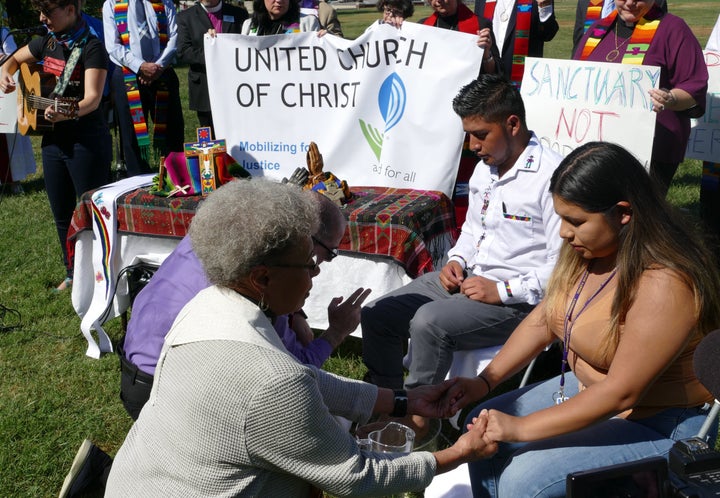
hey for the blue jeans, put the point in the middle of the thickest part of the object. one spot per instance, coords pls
(539, 468)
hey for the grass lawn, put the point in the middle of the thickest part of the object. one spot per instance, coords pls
(52, 396)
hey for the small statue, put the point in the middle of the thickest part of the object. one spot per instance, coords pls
(325, 182)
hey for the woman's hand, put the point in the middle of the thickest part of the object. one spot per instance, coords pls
(212, 33)
(471, 446)
(671, 100)
(53, 116)
(344, 317)
(476, 438)
(502, 427)
(7, 84)
(662, 99)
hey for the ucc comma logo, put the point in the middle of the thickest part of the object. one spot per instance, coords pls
(391, 100)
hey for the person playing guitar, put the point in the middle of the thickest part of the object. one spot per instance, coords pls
(76, 149)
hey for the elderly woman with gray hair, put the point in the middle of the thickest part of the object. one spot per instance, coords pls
(232, 413)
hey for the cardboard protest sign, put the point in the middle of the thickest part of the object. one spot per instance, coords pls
(378, 107)
(8, 112)
(704, 142)
(569, 103)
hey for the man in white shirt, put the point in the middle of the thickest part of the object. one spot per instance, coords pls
(502, 261)
(141, 39)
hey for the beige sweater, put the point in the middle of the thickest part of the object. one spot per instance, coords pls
(233, 414)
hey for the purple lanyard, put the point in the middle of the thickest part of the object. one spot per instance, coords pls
(559, 396)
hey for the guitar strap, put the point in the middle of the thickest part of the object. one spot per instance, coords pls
(76, 43)
(131, 84)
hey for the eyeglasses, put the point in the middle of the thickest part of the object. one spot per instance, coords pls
(49, 13)
(311, 267)
(393, 12)
(332, 253)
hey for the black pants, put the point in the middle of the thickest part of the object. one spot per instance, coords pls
(72, 165)
(175, 131)
(135, 386)
(662, 174)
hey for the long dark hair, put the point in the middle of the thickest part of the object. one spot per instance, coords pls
(595, 177)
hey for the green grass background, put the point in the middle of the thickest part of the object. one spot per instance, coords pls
(52, 396)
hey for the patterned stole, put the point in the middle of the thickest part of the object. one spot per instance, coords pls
(638, 45)
(131, 84)
(523, 20)
(594, 13)
(466, 19)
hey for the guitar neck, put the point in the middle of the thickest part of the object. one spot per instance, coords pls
(40, 103)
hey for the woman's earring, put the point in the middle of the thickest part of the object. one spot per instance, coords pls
(262, 304)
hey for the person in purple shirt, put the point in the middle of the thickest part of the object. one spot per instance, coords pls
(181, 277)
(640, 28)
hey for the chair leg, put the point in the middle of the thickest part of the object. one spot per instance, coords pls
(528, 371)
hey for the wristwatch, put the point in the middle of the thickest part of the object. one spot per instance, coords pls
(401, 403)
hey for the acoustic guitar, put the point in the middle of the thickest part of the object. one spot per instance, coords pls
(34, 83)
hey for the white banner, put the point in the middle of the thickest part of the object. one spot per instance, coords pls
(569, 103)
(378, 107)
(8, 111)
(704, 143)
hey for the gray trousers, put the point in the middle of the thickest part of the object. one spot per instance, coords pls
(438, 323)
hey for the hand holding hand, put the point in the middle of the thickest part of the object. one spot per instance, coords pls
(149, 72)
(344, 317)
(431, 400)
(502, 427)
(481, 289)
(475, 442)
(452, 276)
(464, 391)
